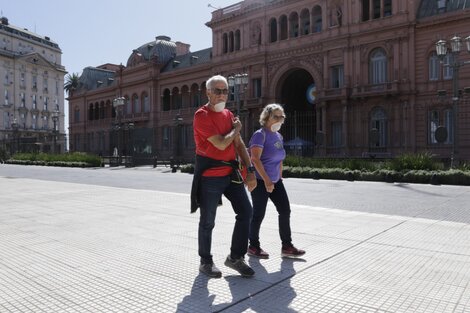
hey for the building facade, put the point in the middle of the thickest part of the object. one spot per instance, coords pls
(31, 91)
(357, 79)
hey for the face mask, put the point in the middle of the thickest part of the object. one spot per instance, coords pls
(219, 107)
(276, 126)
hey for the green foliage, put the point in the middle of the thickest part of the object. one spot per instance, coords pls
(75, 159)
(416, 161)
(347, 163)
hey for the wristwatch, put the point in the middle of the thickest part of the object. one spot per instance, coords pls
(251, 169)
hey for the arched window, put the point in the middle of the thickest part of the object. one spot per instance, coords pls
(379, 123)
(175, 99)
(378, 67)
(283, 27)
(166, 100)
(203, 93)
(225, 43)
(317, 19)
(135, 103)
(185, 97)
(102, 110)
(90, 112)
(195, 96)
(448, 71)
(273, 30)
(305, 22)
(294, 25)
(145, 102)
(433, 66)
(76, 115)
(97, 111)
(230, 41)
(237, 40)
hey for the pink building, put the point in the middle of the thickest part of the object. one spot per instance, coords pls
(356, 78)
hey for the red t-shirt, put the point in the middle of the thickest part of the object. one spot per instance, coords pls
(206, 124)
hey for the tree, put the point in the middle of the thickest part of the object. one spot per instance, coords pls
(71, 83)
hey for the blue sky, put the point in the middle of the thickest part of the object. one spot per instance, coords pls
(95, 32)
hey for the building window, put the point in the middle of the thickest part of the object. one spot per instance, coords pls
(336, 134)
(166, 137)
(283, 27)
(35, 82)
(22, 99)
(337, 76)
(146, 103)
(22, 80)
(376, 9)
(273, 30)
(128, 106)
(35, 105)
(34, 121)
(225, 43)
(231, 42)
(317, 19)
(237, 40)
(433, 124)
(447, 69)
(305, 22)
(135, 104)
(434, 67)
(6, 96)
(76, 116)
(379, 122)
(166, 100)
(378, 67)
(257, 88)
(294, 25)
(46, 100)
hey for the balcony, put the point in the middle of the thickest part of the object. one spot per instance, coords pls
(376, 90)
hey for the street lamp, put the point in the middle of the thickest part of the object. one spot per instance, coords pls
(55, 118)
(15, 127)
(454, 64)
(239, 82)
(118, 103)
(178, 121)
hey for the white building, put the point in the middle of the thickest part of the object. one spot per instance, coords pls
(31, 91)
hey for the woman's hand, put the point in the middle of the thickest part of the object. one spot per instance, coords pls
(269, 186)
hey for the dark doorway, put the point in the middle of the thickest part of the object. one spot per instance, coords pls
(299, 105)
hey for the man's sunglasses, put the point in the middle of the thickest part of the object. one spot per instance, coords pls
(219, 92)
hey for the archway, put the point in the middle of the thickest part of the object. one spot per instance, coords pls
(296, 90)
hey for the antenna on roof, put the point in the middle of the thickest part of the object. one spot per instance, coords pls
(211, 6)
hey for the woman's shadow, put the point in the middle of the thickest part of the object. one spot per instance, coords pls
(199, 300)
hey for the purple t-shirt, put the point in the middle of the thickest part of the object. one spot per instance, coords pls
(273, 152)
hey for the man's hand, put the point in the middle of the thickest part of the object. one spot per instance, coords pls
(251, 181)
(236, 124)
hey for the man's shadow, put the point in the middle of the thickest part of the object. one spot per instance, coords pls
(199, 300)
(279, 295)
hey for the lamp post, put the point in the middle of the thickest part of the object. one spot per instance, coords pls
(15, 127)
(178, 122)
(455, 64)
(239, 82)
(118, 103)
(55, 119)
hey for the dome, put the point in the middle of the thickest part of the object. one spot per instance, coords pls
(162, 49)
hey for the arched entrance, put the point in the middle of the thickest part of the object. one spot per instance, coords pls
(297, 92)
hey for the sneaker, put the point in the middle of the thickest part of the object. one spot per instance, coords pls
(257, 252)
(210, 270)
(291, 252)
(240, 266)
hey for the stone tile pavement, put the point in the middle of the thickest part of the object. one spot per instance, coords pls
(81, 248)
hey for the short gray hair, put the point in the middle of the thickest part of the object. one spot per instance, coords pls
(268, 111)
(216, 79)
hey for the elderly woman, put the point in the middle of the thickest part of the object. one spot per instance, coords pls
(267, 153)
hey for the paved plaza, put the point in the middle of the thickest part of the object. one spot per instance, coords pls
(68, 247)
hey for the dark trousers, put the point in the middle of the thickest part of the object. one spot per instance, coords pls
(211, 189)
(280, 199)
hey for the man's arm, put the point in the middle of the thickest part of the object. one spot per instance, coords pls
(243, 153)
(221, 142)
